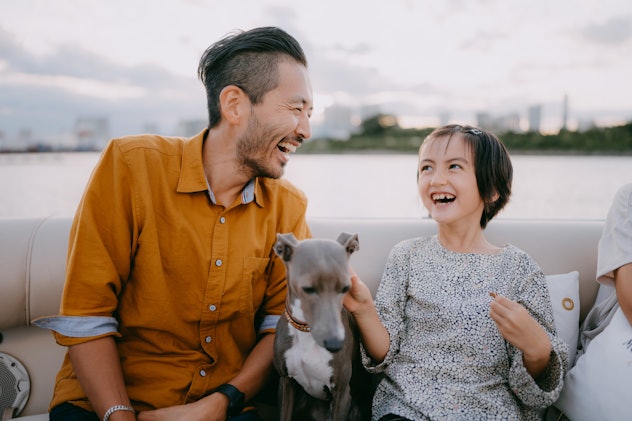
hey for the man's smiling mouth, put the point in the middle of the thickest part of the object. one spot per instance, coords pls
(286, 147)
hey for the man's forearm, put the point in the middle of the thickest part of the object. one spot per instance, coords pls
(257, 368)
(98, 369)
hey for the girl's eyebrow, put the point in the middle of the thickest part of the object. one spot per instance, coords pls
(458, 158)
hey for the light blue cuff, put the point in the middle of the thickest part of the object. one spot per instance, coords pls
(78, 326)
(269, 322)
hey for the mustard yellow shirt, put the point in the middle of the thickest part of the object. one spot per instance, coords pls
(187, 281)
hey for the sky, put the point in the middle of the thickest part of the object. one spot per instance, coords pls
(135, 61)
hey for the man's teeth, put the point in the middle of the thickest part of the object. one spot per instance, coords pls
(443, 198)
(287, 147)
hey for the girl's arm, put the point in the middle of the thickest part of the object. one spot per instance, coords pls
(359, 303)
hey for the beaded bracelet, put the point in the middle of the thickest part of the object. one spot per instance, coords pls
(115, 408)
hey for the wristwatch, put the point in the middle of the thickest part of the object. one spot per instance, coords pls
(235, 396)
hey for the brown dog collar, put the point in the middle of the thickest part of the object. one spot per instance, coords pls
(296, 324)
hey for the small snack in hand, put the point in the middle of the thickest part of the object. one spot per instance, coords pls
(493, 294)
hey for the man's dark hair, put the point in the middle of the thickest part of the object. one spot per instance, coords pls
(249, 60)
(492, 165)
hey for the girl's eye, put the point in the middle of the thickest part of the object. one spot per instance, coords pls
(425, 168)
(455, 166)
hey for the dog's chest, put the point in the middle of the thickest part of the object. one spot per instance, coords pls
(310, 365)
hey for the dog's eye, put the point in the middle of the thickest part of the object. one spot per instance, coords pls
(345, 289)
(309, 290)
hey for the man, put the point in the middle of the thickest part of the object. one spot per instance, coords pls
(172, 289)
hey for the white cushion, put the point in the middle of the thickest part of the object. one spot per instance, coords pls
(599, 386)
(564, 292)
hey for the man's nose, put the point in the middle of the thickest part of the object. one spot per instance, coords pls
(303, 128)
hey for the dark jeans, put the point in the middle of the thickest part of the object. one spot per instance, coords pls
(69, 412)
(391, 417)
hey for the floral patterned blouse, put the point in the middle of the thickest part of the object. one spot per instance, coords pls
(447, 360)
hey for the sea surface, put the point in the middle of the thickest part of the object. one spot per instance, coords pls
(366, 185)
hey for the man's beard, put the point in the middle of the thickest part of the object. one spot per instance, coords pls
(248, 148)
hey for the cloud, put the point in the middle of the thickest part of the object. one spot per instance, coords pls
(614, 31)
(48, 93)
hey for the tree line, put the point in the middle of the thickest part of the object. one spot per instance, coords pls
(381, 133)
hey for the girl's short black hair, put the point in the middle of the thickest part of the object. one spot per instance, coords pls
(492, 165)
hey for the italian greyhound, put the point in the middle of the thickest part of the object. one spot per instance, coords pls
(317, 346)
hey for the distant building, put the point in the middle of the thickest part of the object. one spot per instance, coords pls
(535, 118)
(586, 124)
(444, 118)
(189, 128)
(338, 123)
(368, 111)
(92, 133)
(506, 123)
(150, 127)
(484, 120)
(565, 113)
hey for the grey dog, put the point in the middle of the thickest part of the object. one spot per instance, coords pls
(316, 350)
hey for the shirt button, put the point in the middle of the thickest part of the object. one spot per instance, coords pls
(207, 339)
(218, 262)
(202, 373)
(222, 220)
(212, 307)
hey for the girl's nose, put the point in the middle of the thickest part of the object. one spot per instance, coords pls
(438, 178)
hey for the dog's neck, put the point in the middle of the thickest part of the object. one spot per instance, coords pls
(292, 320)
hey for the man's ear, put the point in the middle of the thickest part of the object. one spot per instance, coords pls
(231, 103)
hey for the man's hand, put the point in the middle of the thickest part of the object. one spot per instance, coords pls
(211, 408)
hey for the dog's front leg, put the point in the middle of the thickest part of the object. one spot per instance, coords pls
(286, 398)
(341, 404)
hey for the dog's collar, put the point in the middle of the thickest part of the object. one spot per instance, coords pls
(296, 324)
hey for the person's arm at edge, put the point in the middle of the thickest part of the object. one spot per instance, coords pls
(623, 285)
(98, 369)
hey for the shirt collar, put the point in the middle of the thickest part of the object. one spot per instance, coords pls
(193, 178)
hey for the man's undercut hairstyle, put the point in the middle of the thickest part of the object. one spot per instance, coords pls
(248, 60)
(492, 165)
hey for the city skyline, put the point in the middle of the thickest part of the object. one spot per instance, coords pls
(135, 62)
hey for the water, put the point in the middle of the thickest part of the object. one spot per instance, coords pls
(545, 187)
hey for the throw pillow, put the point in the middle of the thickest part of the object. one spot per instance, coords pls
(564, 292)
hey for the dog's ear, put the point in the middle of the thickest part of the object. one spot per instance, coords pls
(349, 241)
(284, 246)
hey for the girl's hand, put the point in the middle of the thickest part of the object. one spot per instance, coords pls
(358, 299)
(522, 331)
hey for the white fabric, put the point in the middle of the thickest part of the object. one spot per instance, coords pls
(564, 292)
(615, 245)
(599, 386)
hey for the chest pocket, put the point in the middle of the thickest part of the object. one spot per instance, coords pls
(253, 283)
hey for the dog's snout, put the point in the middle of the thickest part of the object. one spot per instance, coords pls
(333, 344)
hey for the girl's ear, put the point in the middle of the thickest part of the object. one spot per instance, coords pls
(495, 197)
(231, 102)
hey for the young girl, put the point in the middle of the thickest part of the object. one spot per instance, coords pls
(460, 328)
